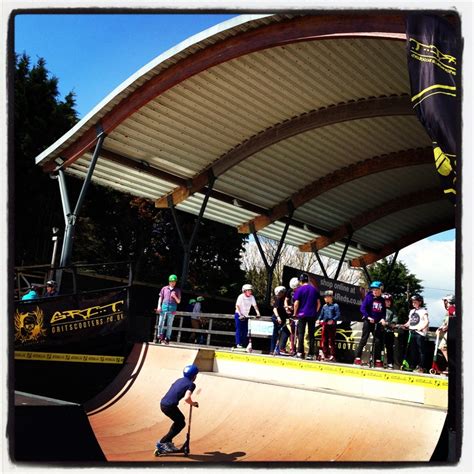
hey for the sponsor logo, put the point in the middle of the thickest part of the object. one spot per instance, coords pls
(29, 326)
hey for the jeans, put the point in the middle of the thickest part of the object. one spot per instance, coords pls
(241, 330)
(179, 423)
(166, 315)
(280, 335)
(328, 339)
(302, 322)
(418, 350)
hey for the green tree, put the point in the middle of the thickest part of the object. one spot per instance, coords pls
(40, 118)
(400, 282)
(111, 226)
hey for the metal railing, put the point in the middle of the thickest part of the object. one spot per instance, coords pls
(209, 331)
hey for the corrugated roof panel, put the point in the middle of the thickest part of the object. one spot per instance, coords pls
(339, 205)
(290, 165)
(405, 222)
(119, 176)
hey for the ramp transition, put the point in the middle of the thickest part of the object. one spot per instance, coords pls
(244, 419)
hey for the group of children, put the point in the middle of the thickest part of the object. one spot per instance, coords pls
(300, 306)
(293, 310)
(298, 310)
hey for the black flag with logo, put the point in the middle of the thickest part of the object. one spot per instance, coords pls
(433, 59)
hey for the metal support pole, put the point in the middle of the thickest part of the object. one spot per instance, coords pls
(187, 246)
(390, 269)
(271, 268)
(71, 218)
(318, 257)
(343, 256)
(367, 275)
(55, 251)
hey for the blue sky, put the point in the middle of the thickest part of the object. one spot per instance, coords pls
(92, 54)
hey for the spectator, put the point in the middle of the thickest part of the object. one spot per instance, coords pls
(196, 321)
(181, 388)
(373, 312)
(442, 331)
(243, 305)
(391, 323)
(305, 309)
(330, 313)
(170, 297)
(280, 330)
(289, 302)
(51, 289)
(418, 323)
(31, 294)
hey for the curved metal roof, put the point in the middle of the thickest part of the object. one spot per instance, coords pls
(310, 112)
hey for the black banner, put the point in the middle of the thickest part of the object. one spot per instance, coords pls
(348, 297)
(69, 318)
(433, 58)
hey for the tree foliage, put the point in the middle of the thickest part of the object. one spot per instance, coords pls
(40, 118)
(111, 226)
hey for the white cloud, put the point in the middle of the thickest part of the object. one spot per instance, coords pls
(433, 262)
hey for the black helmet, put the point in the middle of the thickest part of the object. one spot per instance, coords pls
(417, 297)
(304, 278)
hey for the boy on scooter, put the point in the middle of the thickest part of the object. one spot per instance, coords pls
(181, 388)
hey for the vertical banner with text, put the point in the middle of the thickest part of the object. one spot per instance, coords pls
(433, 49)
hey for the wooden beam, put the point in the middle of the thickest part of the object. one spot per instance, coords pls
(342, 176)
(354, 110)
(401, 243)
(298, 29)
(399, 203)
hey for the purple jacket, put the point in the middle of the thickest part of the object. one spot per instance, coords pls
(373, 307)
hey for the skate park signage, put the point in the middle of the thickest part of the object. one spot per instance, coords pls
(348, 296)
(69, 318)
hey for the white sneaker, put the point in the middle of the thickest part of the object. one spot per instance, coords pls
(239, 346)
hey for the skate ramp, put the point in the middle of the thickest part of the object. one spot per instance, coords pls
(248, 420)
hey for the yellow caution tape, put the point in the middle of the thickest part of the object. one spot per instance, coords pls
(61, 357)
(348, 371)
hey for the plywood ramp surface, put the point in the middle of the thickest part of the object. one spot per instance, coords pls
(241, 420)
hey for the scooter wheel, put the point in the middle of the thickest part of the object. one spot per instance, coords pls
(433, 372)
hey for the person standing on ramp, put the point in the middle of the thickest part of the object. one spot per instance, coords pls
(181, 388)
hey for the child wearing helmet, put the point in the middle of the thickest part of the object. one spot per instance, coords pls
(330, 313)
(280, 330)
(391, 323)
(243, 305)
(181, 388)
(373, 311)
(170, 297)
(442, 331)
(289, 302)
(306, 308)
(418, 324)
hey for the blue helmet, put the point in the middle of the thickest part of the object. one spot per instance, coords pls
(376, 284)
(190, 371)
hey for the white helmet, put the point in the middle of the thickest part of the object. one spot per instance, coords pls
(294, 283)
(279, 289)
(247, 287)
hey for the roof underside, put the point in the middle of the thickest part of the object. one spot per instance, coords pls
(310, 112)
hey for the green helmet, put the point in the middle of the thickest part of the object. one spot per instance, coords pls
(200, 298)
(172, 278)
(192, 301)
